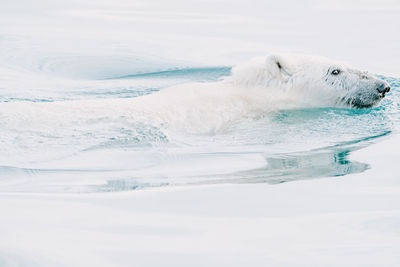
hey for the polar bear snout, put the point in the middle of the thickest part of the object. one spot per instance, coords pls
(382, 88)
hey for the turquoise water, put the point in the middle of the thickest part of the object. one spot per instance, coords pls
(113, 153)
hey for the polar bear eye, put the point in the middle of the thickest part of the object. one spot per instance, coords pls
(335, 72)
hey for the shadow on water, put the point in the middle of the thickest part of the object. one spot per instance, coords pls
(324, 162)
(330, 161)
(301, 166)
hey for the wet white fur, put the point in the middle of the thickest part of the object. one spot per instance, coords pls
(262, 85)
(254, 89)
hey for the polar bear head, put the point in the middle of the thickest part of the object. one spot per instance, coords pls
(312, 80)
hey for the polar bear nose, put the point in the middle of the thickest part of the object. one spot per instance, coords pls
(383, 89)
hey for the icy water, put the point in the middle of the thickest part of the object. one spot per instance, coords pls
(114, 152)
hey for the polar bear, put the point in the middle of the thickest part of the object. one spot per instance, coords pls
(264, 84)
(256, 88)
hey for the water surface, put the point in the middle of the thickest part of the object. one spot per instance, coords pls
(113, 153)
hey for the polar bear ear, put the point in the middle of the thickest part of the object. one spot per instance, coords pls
(278, 66)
